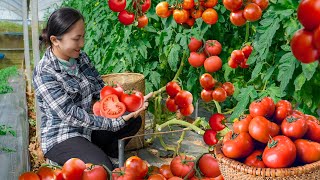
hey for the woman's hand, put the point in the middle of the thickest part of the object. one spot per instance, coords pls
(142, 108)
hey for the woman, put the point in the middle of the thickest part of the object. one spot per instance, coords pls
(66, 84)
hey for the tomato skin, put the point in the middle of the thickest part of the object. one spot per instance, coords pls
(142, 21)
(313, 132)
(242, 124)
(175, 178)
(162, 9)
(216, 122)
(132, 101)
(307, 151)
(137, 165)
(157, 177)
(302, 46)
(279, 153)
(95, 172)
(172, 88)
(180, 16)
(237, 56)
(210, 16)
(196, 12)
(210, 137)
(258, 108)
(117, 5)
(238, 146)
(166, 171)
(247, 50)
(232, 5)
(123, 174)
(187, 4)
(207, 81)
(283, 109)
(183, 99)
(187, 111)
(96, 108)
(73, 168)
(209, 166)
(113, 89)
(196, 59)
(206, 95)
(294, 127)
(237, 18)
(125, 17)
(269, 104)
(181, 166)
(212, 64)
(212, 48)
(309, 13)
(110, 107)
(261, 129)
(46, 173)
(252, 12)
(29, 176)
(263, 4)
(171, 105)
(219, 94)
(255, 159)
(229, 88)
(194, 44)
(316, 38)
(232, 63)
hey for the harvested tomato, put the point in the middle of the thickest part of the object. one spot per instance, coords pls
(217, 121)
(232, 5)
(172, 89)
(207, 81)
(307, 151)
(46, 173)
(157, 177)
(206, 95)
(238, 145)
(313, 132)
(123, 174)
(210, 16)
(95, 172)
(111, 107)
(133, 101)
(209, 166)
(183, 99)
(171, 105)
(162, 9)
(29, 176)
(126, 17)
(73, 168)
(269, 103)
(255, 159)
(196, 59)
(210, 137)
(294, 127)
(137, 165)
(111, 89)
(212, 48)
(187, 111)
(58, 173)
(117, 5)
(252, 12)
(283, 109)
(237, 18)
(219, 94)
(153, 170)
(194, 44)
(212, 64)
(142, 21)
(182, 166)
(210, 3)
(242, 124)
(258, 108)
(96, 108)
(279, 153)
(261, 129)
(175, 178)
(229, 88)
(166, 171)
(180, 16)
(309, 14)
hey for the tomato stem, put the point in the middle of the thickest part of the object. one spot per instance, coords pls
(247, 32)
(182, 123)
(108, 170)
(217, 106)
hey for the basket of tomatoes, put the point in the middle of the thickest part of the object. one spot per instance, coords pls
(274, 141)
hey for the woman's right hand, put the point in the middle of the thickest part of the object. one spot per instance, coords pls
(142, 108)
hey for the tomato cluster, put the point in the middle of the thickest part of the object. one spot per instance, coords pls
(179, 99)
(243, 10)
(72, 169)
(274, 136)
(187, 11)
(127, 17)
(240, 57)
(205, 54)
(114, 101)
(305, 43)
(217, 123)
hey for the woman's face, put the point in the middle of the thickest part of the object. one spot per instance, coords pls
(71, 42)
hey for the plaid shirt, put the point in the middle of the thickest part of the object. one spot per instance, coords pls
(65, 100)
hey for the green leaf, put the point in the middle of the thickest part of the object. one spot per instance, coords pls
(309, 69)
(149, 87)
(275, 92)
(286, 69)
(173, 57)
(299, 82)
(257, 69)
(155, 78)
(268, 74)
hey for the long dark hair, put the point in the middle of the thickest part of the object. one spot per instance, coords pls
(59, 23)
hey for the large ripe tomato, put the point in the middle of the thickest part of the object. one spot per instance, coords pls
(172, 89)
(187, 111)
(126, 17)
(175, 178)
(183, 99)
(283, 109)
(263, 4)
(212, 64)
(196, 59)
(237, 56)
(187, 4)
(212, 48)
(313, 132)
(180, 16)
(117, 5)
(46, 173)
(255, 159)
(269, 103)
(145, 5)
(302, 46)
(258, 108)
(309, 13)
(232, 5)
(133, 101)
(207, 81)
(242, 123)
(194, 44)
(137, 165)
(58, 173)
(123, 174)
(162, 9)
(219, 94)
(232, 63)
(307, 151)
(294, 127)
(157, 177)
(279, 153)
(261, 129)
(247, 50)
(182, 166)
(95, 172)
(206, 95)
(166, 171)
(316, 38)
(190, 22)
(210, 16)
(29, 176)
(244, 64)
(73, 168)
(210, 137)
(111, 89)
(252, 12)
(171, 105)
(238, 145)
(196, 12)
(237, 18)
(216, 122)
(96, 108)
(209, 166)
(229, 88)
(142, 21)
(111, 107)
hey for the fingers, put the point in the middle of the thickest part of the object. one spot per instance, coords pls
(144, 107)
(146, 97)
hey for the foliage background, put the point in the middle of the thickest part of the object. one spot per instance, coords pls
(156, 51)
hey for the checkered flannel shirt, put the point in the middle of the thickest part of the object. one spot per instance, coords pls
(65, 100)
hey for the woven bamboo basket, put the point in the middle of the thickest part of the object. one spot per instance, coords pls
(235, 170)
(129, 81)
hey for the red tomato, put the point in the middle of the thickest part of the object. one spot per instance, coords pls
(172, 89)
(117, 5)
(313, 132)
(190, 22)
(181, 166)
(210, 3)
(237, 18)
(180, 16)
(96, 108)
(126, 17)
(157, 177)
(247, 50)
(209, 166)
(217, 121)
(145, 5)
(279, 153)
(171, 105)
(283, 109)
(212, 48)
(112, 89)
(232, 5)
(302, 47)
(212, 64)
(316, 38)
(255, 159)
(123, 174)
(261, 129)
(294, 127)
(29, 176)
(309, 13)
(137, 165)
(244, 64)
(95, 172)
(73, 168)
(206, 95)
(210, 137)
(58, 173)
(219, 94)
(132, 101)
(229, 88)
(187, 111)
(263, 4)
(187, 4)
(269, 103)
(196, 12)
(166, 171)
(210, 16)
(258, 108)
(237, 56)
(183, 99)
(110, 107)
(242, 124)
(162, 9)
(307, 151)
(142, 21)
(252, 12)
(232, 63)
(196, 59)
(175, 178)
(153, 170)
(207, 81)
(194, 44)
(238, 146)
(46, 173)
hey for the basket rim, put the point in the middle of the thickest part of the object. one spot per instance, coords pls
(128, 73)
(271, 172)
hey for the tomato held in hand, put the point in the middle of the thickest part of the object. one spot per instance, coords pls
(212, 48)
(238, 146)
(217, 121)
(182, 166)
(255, 159)
(210, 137)
(96, 108)
(126, 17)
(95, 172)
(110, 107)
(171, 105)
(209, 166)
(294, 127)
(172, 89)
(261, 129)
(307, 151)
(309, 14)
(183, 99)
(166, 171)
(73, 168)
(279, 153)
(133, 101)
(242, 124)
(137, 165)
(117, 5)
(194, 44)
(112, 89)
(207, 81)
(196, 59)
(219, 94)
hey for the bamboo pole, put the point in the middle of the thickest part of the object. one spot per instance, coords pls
(26, 44)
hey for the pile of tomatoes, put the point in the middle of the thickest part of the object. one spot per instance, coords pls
(187, 11)
(305, 43)
(127, 17)
(219, 93)
(274, 136)
(240, 57)
(205, 55)
(114, 101)
(243, 11)
(217, 123)
(179, 99)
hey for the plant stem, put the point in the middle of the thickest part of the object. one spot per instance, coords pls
(166, 147)
(247, 32)
(182, 123)
(217, 106)
(180, 141)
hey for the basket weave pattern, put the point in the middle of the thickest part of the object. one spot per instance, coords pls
(235, 170)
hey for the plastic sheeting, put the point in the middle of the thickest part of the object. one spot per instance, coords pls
(13, 112)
